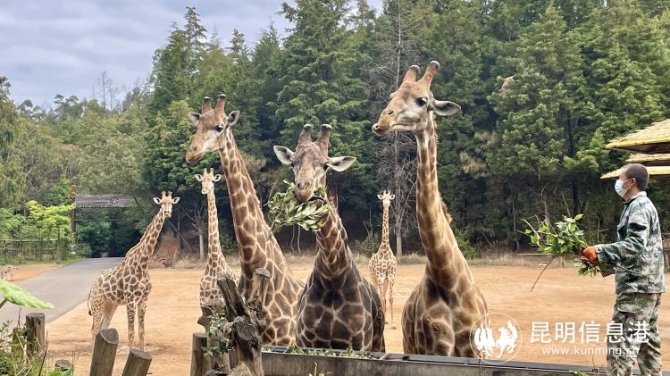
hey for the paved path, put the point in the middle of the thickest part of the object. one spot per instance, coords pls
(65, 287)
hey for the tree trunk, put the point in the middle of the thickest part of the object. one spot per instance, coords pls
(203, 249)
(246, 321)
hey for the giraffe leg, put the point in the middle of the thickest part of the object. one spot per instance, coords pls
(391, 282)
(141, 311)
(97, 313)
(385, 286)
(107, 313)
(380, 290)
(130, 311)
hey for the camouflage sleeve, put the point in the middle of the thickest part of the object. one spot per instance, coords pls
(634, 242)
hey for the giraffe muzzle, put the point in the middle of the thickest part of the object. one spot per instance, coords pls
(192, 156)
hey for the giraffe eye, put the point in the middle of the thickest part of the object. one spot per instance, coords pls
(218, 128)
(421, 101)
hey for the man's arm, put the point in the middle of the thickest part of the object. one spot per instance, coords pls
(637, 237)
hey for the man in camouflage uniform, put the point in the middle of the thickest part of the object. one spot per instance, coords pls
(637, 260)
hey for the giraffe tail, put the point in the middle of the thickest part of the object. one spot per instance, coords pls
(88, 303)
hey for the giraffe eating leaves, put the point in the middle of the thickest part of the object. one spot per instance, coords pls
(339, 308)
(441, 312)
(128, 283)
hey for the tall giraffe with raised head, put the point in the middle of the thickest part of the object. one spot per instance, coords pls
(338, 308)
(129, 283)
(216, 262)
(442, 310)
(256, 243)
(383, 264)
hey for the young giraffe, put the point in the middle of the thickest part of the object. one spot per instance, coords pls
(216, 263)
(383, 264)
(339, 308)
(256, 243)
(128, 283)
(441, 311)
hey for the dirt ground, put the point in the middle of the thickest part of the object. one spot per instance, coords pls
(29, 271)
(561, 299)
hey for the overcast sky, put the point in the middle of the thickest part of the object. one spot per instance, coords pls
(50, 47)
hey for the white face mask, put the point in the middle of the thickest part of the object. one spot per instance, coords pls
(618, 187)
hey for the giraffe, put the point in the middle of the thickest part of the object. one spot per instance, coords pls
(443, 309)
(383, 264)
(216, 263)
(129, 283)
(338, 308)
(256, 243)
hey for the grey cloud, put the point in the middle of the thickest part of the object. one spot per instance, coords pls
(62, 46)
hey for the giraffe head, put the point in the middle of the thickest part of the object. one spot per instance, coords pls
(166, 201)
(208, 179)
(210, 125)
(311, 162)
(386, 198)
(410, 107)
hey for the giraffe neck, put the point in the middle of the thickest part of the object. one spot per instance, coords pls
(214, 245)
(251, 230)
(142, 252)
(385, 245)
(334, 255)
(436, 235)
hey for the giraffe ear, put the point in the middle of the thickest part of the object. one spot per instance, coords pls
(392, 197)
(198, 177)
(379, 197)
(195, 117)
(284, 154)
(233, 117)
(157, 200)
(175, 200)
(217, 177)
(443, 108)
(340, 164)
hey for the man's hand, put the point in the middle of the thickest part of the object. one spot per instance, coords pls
(589, 254)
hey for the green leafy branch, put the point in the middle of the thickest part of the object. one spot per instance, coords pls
(285, 210)
(219, 344)
(562, 239)
(20, 297)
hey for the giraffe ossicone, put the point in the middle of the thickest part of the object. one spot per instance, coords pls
(128, 283)
(441, 311)
(338, 308)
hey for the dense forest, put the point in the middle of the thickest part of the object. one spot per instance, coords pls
(584, 72)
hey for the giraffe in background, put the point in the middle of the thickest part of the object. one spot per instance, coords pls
(383, 264)
(129, 283)
(216, 262)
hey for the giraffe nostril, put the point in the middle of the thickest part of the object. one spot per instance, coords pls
(389, 112)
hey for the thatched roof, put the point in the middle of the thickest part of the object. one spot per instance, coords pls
(650, 159)
(658, 172)
(653, 139)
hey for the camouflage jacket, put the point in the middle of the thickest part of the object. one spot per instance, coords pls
(637, 256)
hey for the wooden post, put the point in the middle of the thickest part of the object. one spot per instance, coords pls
(137, 364)
(199, 362)
(36, 333)
(104, 352)
(246, 322)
